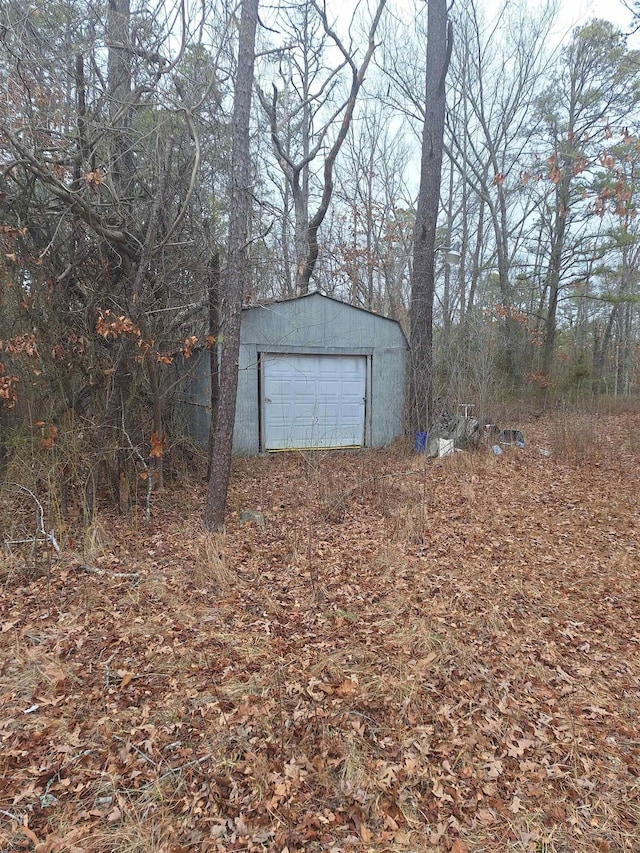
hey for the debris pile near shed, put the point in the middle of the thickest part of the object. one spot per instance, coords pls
(463, 432)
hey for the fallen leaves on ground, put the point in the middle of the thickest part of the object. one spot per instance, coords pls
(407, 655)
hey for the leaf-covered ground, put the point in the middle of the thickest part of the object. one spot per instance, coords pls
(407, 655)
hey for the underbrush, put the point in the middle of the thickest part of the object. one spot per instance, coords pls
(591, 436)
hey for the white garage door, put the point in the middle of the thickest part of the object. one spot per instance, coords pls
(313, 401)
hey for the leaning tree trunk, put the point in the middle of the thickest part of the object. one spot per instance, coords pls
(237, 271)
(439, 44)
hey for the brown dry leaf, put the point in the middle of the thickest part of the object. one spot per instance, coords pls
(158, 444)
(556, 814)
(94, 179)
(50, 437)
(495, 769)
(425, 663)
(516, 805)
(346, 688)
(437, 833)
(29, 833)
(486, 817)
(518, 748)
(365, 833)
(262, 699)
(189, 344)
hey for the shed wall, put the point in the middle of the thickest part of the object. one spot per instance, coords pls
(313, 324)
(387, 395)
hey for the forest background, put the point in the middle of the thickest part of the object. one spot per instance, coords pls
(116, 147)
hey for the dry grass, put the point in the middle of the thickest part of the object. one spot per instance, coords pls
(97, 540)
(16, 566)
(210, 569)
(137, 821)
(580, 437)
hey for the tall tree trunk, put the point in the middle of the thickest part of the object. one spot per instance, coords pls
(157, 463)
(600, 351)
(213, 292)
(122, 171)
(448, 300)
(439, 43)
(555, 269)
(287, 289)
(475, 259)
(119, 82)
(301, 178)
(237, 270)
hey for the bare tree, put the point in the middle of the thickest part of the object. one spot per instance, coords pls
(237, 270)
(496, 84)
(367, 259)
(598, 91)
(296, 167)
(439, 45)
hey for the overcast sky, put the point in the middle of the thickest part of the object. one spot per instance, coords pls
(572, 12)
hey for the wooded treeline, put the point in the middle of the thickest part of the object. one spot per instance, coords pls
(116, 186)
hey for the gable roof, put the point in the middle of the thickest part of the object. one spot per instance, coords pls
(265, 303)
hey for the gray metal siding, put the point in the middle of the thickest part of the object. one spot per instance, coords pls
(318, 322)
(316, 325)
(193, 397)
(246, 433)
(388, 395)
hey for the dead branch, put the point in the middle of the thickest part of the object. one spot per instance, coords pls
(46, 537)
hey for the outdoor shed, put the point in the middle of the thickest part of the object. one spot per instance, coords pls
(314, 373)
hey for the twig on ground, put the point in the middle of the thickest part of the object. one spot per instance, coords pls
(142, 754)
(94, 570)
(9, 815)
(46, 537)
(173, 770)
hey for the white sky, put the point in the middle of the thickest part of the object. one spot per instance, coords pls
(612, 10)
(573, 12)
(570, 12)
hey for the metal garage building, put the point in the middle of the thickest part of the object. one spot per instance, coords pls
(315, 373)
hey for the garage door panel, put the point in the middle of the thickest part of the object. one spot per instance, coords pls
(280, 389)
(301, 391)
(326, 388)
(350, 413)
(313, 401)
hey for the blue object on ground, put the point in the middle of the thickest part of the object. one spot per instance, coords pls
(420, 443)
